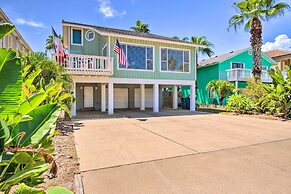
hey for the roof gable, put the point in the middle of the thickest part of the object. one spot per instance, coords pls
(131, 34)
(227, 56)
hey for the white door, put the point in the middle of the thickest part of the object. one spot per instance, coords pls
(120, 99)
(88, 97)
(148, 97)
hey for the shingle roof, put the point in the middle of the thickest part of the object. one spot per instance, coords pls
(220, 58)
(131, 33)
(277, 53)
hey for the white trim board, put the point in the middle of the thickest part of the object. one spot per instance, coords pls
(97, 79)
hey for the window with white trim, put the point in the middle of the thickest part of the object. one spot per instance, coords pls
(77, 36)
(90, 35)
(138, 57)
(264, 68)
(175, 60)
(211, 94)
(237, 65)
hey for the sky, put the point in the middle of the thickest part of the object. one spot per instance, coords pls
(182, 18)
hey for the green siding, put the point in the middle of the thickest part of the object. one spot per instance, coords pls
(204, 75)
(95, 48)
(243, 57)
(156, 74)
(217, 71)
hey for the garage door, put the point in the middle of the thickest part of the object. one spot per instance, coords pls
(120, 99)
(148, 97)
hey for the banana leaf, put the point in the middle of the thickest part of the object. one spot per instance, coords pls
(29, 172)
(44, 118)
(10, 82)
(6, 29)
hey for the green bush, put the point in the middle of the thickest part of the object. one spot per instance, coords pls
(240, 104)
(254, 90)
(277, 99)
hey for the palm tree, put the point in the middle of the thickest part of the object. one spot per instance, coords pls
(177, 38)
(140, 27)
(250, 14)
(221, 87)
(207, 50)
(50, 42)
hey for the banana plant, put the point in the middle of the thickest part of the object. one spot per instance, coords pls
(277, 100)
(27, 123)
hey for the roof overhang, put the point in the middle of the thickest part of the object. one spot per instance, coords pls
(133, 37)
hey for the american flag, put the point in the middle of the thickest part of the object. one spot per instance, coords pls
(58, 46)
(121, 56)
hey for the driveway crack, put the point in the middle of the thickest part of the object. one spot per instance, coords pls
(166, 138)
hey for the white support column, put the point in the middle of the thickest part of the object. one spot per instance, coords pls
(73, 106)
(142, 96)
(175, 97)
(110, 98)
(192, 97)
(236, 86)
(156, 98)
(103, 97)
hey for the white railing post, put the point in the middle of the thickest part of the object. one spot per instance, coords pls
(87, 64)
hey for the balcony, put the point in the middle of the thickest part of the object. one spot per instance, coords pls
(86, 64)
(243, 75)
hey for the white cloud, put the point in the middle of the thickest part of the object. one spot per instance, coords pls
(22, 21)
(282, 42)
(107, 10)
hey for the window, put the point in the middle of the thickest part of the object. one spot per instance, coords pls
(211, 94)
(237, 65)
(77, 37)
(175, 60)
(264, 68)
(138, 57)
(90, 35)
(9, 41)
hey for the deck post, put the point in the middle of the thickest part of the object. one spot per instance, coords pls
(142, 96)
(192, 97)
(103, 98)
(156, 97)
(175, 97)
(73, 106)
(110, 98)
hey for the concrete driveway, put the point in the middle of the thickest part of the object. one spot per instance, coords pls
(181, 152)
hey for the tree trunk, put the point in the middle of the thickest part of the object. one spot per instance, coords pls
(221, 100)
(256, 42)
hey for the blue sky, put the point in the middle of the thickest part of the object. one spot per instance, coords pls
(33, 19)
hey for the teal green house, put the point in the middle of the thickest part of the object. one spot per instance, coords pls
(102, 83)
(235, 66)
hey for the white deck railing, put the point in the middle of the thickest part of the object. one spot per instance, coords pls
(86, 64)
(242, 75)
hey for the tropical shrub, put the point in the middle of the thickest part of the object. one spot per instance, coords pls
(222, 88)
(40, 74)
(240, 104)
(27, 125)
(254, 90)
(277, 99)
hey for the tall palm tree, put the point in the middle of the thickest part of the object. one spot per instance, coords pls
(204, 51)
(250, 14)
(50, 42)
(140, 27)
